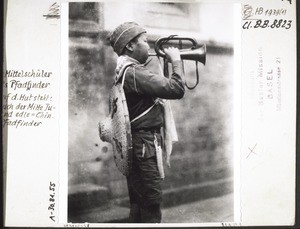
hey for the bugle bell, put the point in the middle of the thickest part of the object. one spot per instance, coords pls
(194, 53)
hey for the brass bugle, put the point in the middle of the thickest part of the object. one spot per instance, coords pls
(194, 53)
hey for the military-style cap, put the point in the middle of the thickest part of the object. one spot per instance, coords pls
(123, 34)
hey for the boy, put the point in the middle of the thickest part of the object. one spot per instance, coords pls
(142, 88)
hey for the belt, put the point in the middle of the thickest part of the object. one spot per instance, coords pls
(152, 130)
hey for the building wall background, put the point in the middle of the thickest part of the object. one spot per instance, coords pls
(203, 117)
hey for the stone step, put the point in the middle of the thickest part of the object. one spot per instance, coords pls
(117, 210)
(86, 196)
(189, 193)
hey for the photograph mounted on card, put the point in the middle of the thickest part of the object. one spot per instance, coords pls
(179, 113)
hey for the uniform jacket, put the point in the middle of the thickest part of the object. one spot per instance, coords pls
(142, 87)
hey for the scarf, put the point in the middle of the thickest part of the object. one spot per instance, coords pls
(122, 63)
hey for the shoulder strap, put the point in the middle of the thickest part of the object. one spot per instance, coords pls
(145, 112)
(124, 75)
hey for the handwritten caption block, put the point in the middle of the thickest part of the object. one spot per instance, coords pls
(27, 98)
(265, 18)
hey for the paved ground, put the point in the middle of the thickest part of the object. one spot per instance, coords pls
(217, 209)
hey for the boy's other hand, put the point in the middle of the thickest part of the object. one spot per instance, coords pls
(172, 54)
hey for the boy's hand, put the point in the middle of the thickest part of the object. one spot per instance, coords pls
(172, 54)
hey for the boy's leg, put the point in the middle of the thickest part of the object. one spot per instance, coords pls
(145, 182)
(134, 214)
(148, 191)
(151, 213)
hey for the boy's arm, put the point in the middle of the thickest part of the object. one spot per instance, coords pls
(146, 82)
